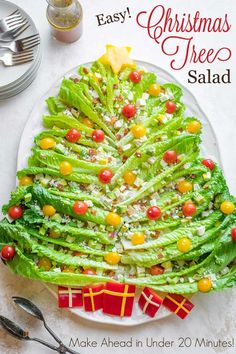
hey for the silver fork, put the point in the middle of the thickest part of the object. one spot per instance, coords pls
(11, 22)
(12, 34)
(22, 44)
(11, 59)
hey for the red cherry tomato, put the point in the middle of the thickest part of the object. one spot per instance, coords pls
(153, 213)
(208, 163)
(89, 272)
(8, 253)
(105, 176)
(233, 234)
(73, 135)
(135, 77)
(129, 111)
(170, 156)
(170, 107)
(15, 212)
(98, 136)
(80, 208)
(189, 209)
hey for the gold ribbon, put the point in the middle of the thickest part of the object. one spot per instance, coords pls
(125, 295)
(148, 301)
(91, 295)
(70, 292)
(179, 305)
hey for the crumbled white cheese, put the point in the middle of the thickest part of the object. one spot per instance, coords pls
(187, 165)
(191, 280)
(163, 97)
(152, 160)
(211, 276)
(140, 270)
(122, 188)
(94, 94)
(163, 163)
(210, 206)
(196, 187)
(117, 92)
(99, 76)
(126, 147)
(168, 116)
(107, 119)
(118, 124)
(89, 202)
(206, 176)
(141, 102)
(138, 182)
(57, 270)
(145, 96)
(201, 230)
(131, 96)
(170, 94)
(225, 270)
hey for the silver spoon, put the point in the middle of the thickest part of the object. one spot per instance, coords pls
(16, 331)
(34, 311)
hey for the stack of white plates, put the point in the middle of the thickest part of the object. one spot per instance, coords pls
(15, 79)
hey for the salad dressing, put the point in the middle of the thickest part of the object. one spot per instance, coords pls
(65, 19)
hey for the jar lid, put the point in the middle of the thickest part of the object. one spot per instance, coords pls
(60, 3)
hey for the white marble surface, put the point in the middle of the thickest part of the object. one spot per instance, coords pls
(214, 315)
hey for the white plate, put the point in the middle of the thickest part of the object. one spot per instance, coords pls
(9, 76)
(34, 126)
(33, 70)
(21, 85)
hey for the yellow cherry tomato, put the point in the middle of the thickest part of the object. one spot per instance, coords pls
(162, 119)
(112, 258)
(45, 264)
(184, 244)
(54, 234)
(25, 181)
(194, 127)
(204, 285)
(154, 90)
(47, 143)
(129, 178)
(184, 186)
(113, 219)
(88, 122)
(138, 131)
(49, 210)
(227, 207)
(65, 168)
(68, 270)
(138, 238)
(103, 161)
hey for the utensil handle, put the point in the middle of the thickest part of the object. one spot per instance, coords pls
(52, 333)
(6, 39)
(3, 44)
(67, 349)
(46, 344)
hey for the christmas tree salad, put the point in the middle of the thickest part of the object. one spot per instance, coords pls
(116, 189)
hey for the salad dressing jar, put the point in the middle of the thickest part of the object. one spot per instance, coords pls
(65, 19)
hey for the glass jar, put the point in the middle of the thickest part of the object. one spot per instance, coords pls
(65, 18)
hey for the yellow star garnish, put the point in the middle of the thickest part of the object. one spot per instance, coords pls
(117, 58)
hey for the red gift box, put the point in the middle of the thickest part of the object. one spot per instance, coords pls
(178, 304)
(69, 297)
(149, 302)
(93, 297)
(118, 299)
